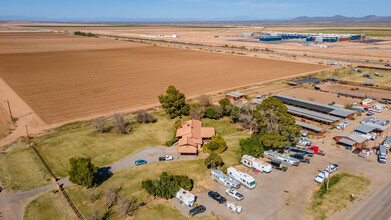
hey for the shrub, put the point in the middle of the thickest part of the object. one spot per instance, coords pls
(216, 144)
(213, 161)
(211, 113)
(167, 185)
(251, 146)
(172, 141)
(143, 116)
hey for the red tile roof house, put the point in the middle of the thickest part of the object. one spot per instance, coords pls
(192, 135)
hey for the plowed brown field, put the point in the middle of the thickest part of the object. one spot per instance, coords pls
(71, 84)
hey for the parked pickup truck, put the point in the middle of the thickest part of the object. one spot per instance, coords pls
(317, 150)
(278, 165)
(166, 158)
(301, 157)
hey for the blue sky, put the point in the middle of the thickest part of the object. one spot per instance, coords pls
(201, 9)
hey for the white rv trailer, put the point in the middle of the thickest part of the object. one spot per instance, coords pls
(245, 179)
(227, 181)
(252, 162)
(186, 197)
(282, 158)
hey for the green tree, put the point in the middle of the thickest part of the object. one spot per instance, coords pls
(167, 185)
(217, 144)
(82, 171)
(226, 106)
(211, 113)
(277, 128)
(213, 161)
(251, 146)
(174, 102)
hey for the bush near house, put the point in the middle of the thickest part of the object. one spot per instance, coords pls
(217, 144)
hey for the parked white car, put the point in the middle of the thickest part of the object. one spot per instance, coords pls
(321, 176)
(235, 194)
(304, 142)
(332, 168)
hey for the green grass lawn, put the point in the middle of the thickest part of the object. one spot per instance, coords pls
(349, 75)
(48, 206)
(341, 186)
(104, 149)
(84, 141)
(130, 182)
(22, 170)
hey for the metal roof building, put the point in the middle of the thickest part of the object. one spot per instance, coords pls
(350, 139)
(365, 129)
(317, 116)
(315, 106)
(369, 127)
(309, 127)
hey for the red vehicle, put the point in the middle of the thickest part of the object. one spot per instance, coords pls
(317, 150)
(387, 65)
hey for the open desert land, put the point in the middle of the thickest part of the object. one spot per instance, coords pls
(65, 83)
(220, 35)
(5, 122)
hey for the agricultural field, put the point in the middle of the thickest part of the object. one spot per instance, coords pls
(80, 83)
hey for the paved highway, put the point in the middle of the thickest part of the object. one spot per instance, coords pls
(377, 207)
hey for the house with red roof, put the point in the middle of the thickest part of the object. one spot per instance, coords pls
(192, 135)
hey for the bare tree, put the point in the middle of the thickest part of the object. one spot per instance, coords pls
(95, 214)
(143, 116)
(120, 123)
(247, 121)
(197, 113)
(92, 196)
(128, 207)
(205, 100)
(99, 124)
(110, 197)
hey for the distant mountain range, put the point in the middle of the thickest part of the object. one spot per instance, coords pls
(334, 19)
(340, 19)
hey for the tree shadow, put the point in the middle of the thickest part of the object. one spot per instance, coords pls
(102, 175)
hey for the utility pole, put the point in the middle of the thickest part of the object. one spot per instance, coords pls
(28, 137)
(327, 186)
(9, 109)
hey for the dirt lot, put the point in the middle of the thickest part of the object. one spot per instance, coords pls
(68, 85)
(376, 52)
(318, 96)
(368, 91)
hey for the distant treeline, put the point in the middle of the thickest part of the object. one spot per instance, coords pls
(89, 34)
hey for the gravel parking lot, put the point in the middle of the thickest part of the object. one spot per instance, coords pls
(284, 195)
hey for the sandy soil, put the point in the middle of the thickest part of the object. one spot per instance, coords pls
(67, 85)
(335, 88)
(231, 36)
(5, 121)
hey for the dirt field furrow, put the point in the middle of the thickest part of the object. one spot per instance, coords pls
(68, 84)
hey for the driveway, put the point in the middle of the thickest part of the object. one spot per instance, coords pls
(12, 204)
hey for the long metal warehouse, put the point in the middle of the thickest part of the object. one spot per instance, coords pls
(309, 127)
(316, 116)
(339, 112)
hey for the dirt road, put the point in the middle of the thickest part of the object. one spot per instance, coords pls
(377, 207)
